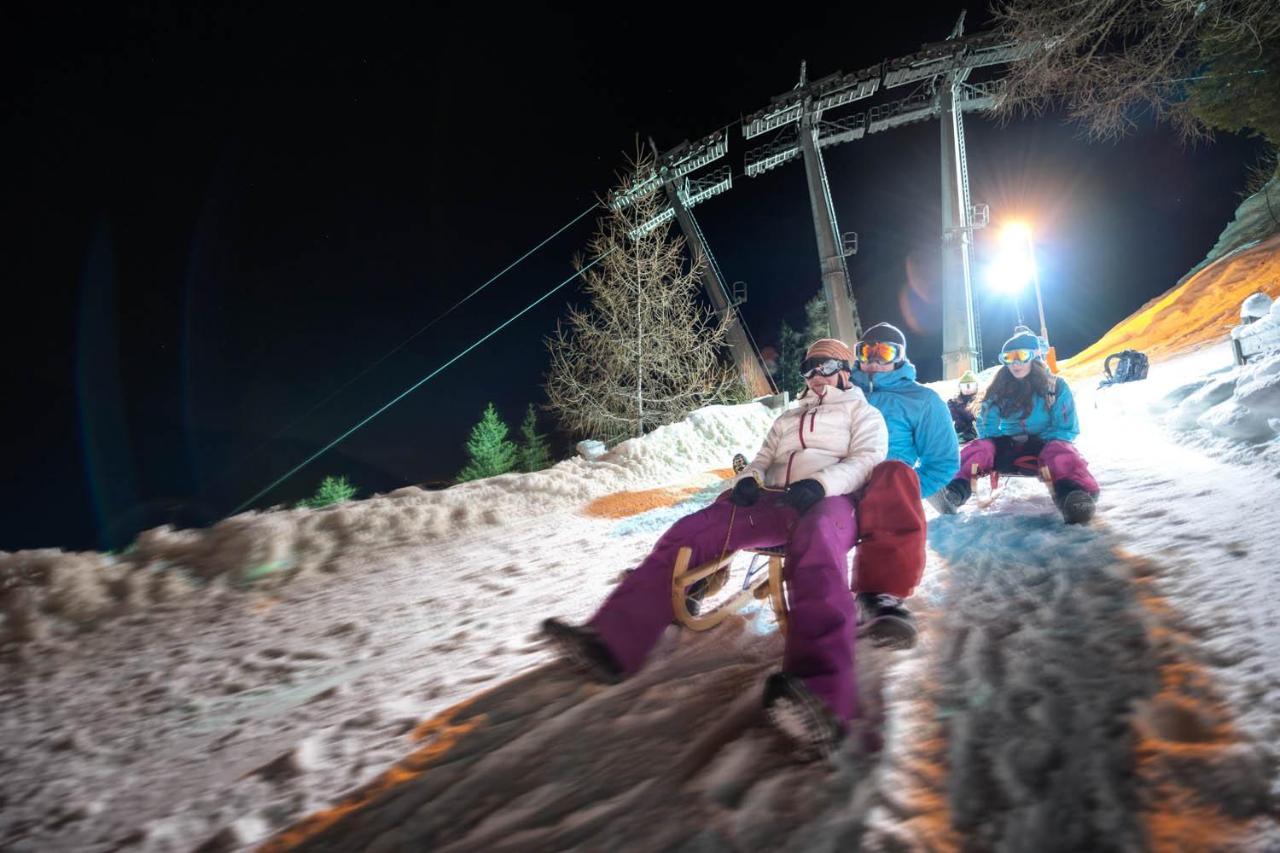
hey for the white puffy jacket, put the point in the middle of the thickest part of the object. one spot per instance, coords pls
(835, 438)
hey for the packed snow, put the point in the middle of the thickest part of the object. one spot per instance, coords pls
(375, 665)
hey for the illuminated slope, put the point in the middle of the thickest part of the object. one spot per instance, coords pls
(1198, 311)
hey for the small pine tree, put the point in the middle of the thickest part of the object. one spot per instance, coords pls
(791, 346)
(333, 490)
(490, 452)
(534, 452)
(816, 322)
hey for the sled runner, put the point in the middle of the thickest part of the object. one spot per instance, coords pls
(1024, 466)
(757, 584)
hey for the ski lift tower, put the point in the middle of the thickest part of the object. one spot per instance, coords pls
(803, 107)
(944, 67)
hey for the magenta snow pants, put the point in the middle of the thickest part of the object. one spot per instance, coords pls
(1060, 457)
(821, 624)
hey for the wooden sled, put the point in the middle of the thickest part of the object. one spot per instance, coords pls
(763, 584)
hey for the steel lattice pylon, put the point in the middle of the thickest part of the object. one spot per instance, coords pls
(798, 119)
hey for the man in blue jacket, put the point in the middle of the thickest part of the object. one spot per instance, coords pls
(923, 457)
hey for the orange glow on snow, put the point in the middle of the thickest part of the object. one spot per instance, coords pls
(626, 504)
(441, 734)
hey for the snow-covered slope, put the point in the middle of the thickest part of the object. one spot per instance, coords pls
(1133, 662)
(1109, 687)
(47, 591)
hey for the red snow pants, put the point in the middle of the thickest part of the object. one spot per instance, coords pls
(891, 532)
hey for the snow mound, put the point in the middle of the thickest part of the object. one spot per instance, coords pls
(1243, 405)
(268, 548)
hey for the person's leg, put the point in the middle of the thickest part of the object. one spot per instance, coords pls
(891, 532)
(981, 453)
(820, 620)
(1066, 464)
(1074, 489)
(635, 614)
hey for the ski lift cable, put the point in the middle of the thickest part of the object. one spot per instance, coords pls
(416, 385)
(344, 386)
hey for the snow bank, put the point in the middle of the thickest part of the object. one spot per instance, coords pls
(267, 548)
(1242, 405)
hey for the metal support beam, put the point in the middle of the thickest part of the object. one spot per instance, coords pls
(959, 328)
(745, 357)
(841, 310)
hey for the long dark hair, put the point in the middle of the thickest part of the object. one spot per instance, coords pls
(1015, 397)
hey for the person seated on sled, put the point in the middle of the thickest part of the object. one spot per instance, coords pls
(961, 406)
(923, 454)
(1028, 414)
(798, 491)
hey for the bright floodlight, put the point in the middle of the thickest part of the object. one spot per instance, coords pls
(1015, 232)
(1015, 266)
(1011, 271)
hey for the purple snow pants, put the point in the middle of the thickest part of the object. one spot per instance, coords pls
(1060, 457)
(821, 624)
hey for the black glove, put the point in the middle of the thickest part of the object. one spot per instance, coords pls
(746, 492)
(803, 494)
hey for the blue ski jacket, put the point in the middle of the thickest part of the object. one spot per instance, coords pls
(920, 430)
(1050, 420)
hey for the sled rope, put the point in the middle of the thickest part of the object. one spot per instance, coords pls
(733, 512)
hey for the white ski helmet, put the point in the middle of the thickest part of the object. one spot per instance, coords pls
(1255, 307)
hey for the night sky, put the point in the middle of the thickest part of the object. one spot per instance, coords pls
(212, 220)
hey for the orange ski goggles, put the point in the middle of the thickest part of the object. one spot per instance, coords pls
(1018, 356)
(881, 352)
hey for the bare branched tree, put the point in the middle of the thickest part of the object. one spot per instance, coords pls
(645, 353)
(1106, 61)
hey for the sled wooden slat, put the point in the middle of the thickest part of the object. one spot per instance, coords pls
(683, 577)
(686, 577)
(775, 591)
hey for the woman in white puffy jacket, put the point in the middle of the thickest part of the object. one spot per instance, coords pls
(799, 491)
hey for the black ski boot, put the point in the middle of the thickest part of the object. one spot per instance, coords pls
(885, 621)
(951, 497)
(800, 717)
(1077, 505)
(583, 648)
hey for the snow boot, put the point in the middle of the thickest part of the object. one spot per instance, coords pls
(951, 497)
(886, 621)
(801, 718)
(583, 648)
(1077, 505)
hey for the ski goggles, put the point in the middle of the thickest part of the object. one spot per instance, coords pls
(882, 352)
(1018, 356)
(822, 366)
